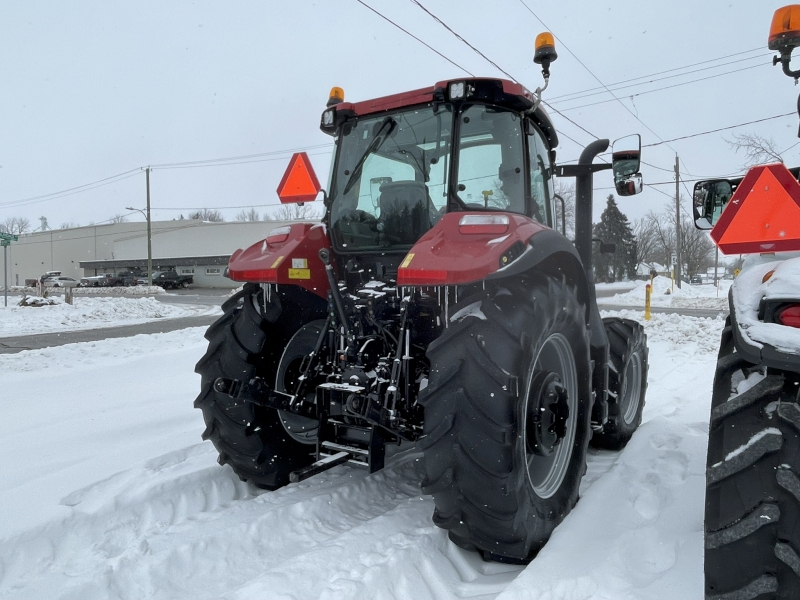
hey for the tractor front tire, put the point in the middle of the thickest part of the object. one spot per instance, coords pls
(752, 512)
(507, 416)
(244, 343)
(627, 382)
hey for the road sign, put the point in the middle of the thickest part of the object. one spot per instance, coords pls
(763, 215)
(673, 259)
(5, 243)
(299, 183)
(8, 237)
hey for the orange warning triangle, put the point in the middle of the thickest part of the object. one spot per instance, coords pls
(763, 215)
(299, 183)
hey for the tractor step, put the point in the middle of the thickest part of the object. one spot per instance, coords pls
(323, 464)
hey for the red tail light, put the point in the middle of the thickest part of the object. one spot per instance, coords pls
(790, 316)
(421, 277)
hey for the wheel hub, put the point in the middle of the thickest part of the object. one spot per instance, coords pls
(548, 412)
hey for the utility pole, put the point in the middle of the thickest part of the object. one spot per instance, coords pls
(149, 233)
(677, 222)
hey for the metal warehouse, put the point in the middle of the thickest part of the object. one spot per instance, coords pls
(189, 246)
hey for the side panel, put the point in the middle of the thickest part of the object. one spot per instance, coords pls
(285, 259)
(452, 255)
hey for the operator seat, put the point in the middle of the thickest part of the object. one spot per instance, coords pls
(405, 212)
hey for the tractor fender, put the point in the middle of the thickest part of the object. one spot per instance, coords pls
(289, 256)
(467, 247)
(549, 252)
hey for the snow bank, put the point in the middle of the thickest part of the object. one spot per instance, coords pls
(108, 492)
(663, 294)
(88, 313)
(750, 288)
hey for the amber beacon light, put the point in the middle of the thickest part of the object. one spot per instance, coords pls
(784, 33)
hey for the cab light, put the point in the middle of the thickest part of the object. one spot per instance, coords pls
(278, 235)
(784, 33)
(457, 90)
(327, 118)
(790, 316)
(336, 96)
(477, 224)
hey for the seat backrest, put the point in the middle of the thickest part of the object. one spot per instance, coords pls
(405, 211)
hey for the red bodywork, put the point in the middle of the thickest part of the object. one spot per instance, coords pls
(446, 255)
(292, 258)
(421, 96)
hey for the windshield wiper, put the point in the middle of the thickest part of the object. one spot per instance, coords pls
(376, 143)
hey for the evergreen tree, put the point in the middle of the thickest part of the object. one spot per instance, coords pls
(614, 228)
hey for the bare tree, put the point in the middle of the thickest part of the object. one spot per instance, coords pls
(646, 241)
(15, 225)
(119, 219)
(249, 215)
(207, 214)
(295, 212)
(69, 225)
(696, 247)
(567, 191)
(757, 150)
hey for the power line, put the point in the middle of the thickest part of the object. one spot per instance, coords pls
(685, 137)
(599, 90)
(635, 116)
(64, 193)
(499, 68)
(666, 87)
(53, 195)
(478, 52)
(415, 37)
(227, 164)
(236, 158)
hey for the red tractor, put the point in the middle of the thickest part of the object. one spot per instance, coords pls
(752, 506)
(435, 304)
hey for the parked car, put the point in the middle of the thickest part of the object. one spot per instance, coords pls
(61, 281)
(101, 280)
(141, 278)
(696, 279)
(171, 279)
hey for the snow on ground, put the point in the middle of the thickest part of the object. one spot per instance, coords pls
(88, 313)
(108, 492)
(664, 293)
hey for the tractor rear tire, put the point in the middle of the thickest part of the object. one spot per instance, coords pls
(504, 448)
(627, 382)
(244, 343)
(752, 512)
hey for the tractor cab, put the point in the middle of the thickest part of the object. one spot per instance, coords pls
(478, 145)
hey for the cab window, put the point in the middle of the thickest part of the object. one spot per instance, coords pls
(541, 178)
(491, 160)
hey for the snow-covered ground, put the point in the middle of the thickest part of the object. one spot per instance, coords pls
(663, 293)
(88, 313)
(108, 492)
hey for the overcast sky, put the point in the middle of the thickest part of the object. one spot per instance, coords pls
(91, 90)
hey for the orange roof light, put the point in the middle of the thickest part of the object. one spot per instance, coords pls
(545, 48)
(336, 96)
(784, 33)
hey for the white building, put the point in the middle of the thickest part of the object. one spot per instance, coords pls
(188, 246)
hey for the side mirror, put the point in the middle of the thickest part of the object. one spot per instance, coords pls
(605, 248)
(625, 163)
(709, 199)
(629, 186)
